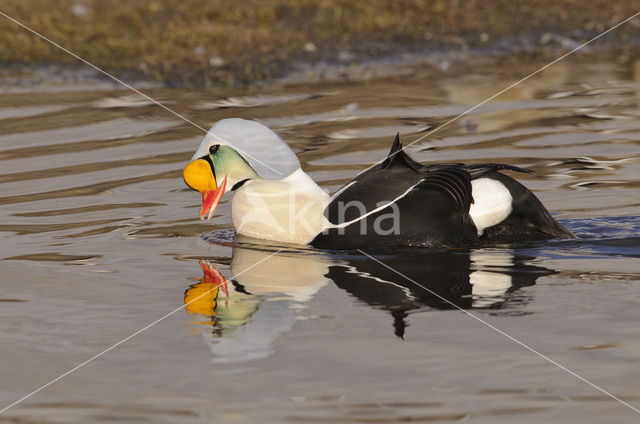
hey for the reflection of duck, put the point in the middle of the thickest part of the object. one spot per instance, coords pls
(398, 202)
(263, 301)
(260, 303)
(436, 279)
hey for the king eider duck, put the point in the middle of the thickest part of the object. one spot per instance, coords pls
(398, 202)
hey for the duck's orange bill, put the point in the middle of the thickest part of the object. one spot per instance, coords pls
(211, 198)
(199, 176)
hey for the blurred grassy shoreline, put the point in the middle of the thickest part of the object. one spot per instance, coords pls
(214, 43)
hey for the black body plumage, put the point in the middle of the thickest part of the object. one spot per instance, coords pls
(431, 205)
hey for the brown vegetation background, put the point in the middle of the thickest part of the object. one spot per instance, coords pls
(239, 41)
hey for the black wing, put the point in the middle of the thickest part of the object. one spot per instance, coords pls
(482, 169)
(382, 183)
(431, 203)
(453, 181)
(393, 178)
(476, 170)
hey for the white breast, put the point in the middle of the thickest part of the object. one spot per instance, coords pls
(288, 210)
(492, 203)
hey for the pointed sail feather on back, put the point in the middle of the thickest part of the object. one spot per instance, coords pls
(451, 180)
(393, 179)
(397, 156)
(269, 155)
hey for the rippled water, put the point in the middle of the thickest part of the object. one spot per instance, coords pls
(100, 238)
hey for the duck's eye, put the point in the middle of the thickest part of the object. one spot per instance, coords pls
(213, 149)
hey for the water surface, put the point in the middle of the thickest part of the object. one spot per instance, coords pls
(100, 237)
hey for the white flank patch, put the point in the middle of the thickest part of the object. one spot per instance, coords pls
(492, 203)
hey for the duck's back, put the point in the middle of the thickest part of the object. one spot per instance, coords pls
(401, 202)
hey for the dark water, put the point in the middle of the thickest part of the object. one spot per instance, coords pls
(101, 238)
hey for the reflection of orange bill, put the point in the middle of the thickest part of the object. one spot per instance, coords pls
(201, 298)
